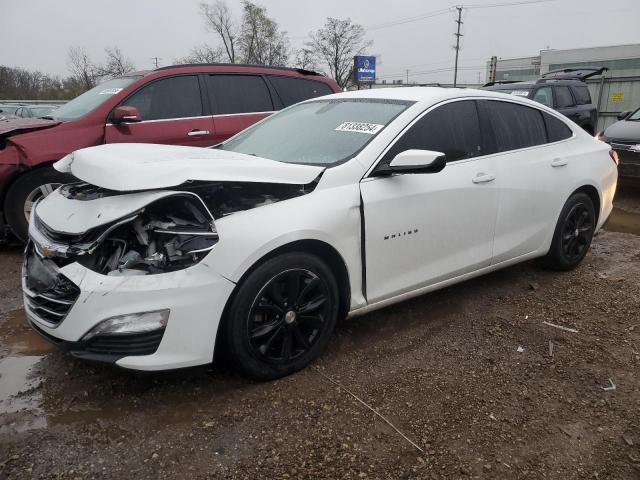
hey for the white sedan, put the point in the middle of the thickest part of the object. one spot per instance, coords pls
(162, 256)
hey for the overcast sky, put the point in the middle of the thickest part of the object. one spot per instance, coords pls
(36, 34)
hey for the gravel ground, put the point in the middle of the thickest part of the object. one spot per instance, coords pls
(470, 375)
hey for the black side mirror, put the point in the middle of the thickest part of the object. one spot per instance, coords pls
(414, 161)
(623, 115)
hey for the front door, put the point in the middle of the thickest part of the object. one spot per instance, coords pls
(421, 229)
(172, 113)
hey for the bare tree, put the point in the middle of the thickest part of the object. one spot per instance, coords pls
(335, 44)
(115, 64)
(305, 59)
(218, 19)
(81, 67)
(203, 54)
(261, 40)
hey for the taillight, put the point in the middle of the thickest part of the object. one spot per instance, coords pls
(614, 156)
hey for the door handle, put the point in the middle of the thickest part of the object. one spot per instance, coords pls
(559, 162)
(198, 133)
(484, 178)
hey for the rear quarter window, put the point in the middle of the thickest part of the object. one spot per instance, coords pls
(556, 129)
(294, 90)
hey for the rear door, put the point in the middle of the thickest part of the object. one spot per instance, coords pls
(532, 172)
(237, 102)
(423, 228)
(172, 113)
(565, 103)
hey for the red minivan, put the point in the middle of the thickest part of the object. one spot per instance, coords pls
(197, 105)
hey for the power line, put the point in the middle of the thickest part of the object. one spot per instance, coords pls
(506, 4)
(415, 18)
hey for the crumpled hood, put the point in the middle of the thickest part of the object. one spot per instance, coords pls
(624, 130)
(137, 166)
(21, 125)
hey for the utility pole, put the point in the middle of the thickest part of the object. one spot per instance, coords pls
(407, 76)
(458, 35)
(156, 60)
(493, 67)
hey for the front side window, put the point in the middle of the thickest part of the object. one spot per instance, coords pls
(515, 126)
(238, 94)
(91, 99)
(174, 97)
(563, 97)
(544, 95)
(294, 90)
(635, 116)
(453, 129)
(319, 132)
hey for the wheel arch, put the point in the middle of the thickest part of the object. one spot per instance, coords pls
(593, 194)
(323, 250)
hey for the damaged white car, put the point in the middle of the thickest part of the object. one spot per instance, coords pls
(160, 255)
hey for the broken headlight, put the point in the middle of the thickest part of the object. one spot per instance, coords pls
(170, 234)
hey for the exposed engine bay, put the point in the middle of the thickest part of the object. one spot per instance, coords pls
(168, 234)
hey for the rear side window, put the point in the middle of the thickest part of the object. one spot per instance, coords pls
(453, 129)
(582, 95)
(174, 97)
(238, 94)
(563, 97)
(515, 126)
(294, 90)
(556, 129)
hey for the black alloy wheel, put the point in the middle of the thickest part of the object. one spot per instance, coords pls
(573, 233)
(281, 316)
(287, 316)
(577, 232)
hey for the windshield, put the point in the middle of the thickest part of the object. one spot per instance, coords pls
(321, 132)
(91, 99)
(635, 116)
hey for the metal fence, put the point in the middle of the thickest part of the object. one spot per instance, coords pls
(613, 95)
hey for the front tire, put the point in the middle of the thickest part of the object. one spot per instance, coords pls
(24, 192)
(282, 317)
(573, 234)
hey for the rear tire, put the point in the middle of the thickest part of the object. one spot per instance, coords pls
(573, 234)
(282, 316)
(28, 188)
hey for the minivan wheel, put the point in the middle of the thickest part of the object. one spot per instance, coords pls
(573, 233)
(24, 192)
(282, 316)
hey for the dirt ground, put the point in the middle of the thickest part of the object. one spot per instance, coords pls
(470, 374)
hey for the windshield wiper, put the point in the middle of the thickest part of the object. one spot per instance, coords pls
(47, 117)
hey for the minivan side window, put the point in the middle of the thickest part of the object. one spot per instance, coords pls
(453, 128)
(556, 129)
(294, 90)
(238, 94)
(563, 97)
(583, 97)
(515, 126)
(173, 97)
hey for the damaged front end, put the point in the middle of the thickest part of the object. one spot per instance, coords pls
(174, 230)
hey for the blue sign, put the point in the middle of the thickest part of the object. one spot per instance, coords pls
(365, 69)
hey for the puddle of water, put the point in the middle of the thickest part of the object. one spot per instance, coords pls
(623, 221)
(19, 338)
